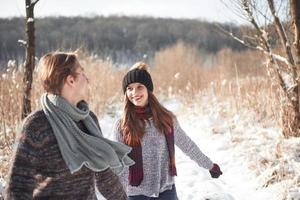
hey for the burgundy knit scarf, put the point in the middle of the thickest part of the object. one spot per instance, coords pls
(136, 172)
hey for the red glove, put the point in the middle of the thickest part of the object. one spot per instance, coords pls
(215, 171)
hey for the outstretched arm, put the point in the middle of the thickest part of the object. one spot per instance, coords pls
(185, 143)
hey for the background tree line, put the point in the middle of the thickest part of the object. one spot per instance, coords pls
(120, 38)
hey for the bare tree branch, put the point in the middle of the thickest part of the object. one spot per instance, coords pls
(33, 2)
(283, 37)
(235, 8)
(262, 34)
(259, 13)
(256, 47)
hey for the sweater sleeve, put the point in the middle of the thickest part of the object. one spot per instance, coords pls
(117, 135)
(109, 185)
(25, 162)
(185, 143)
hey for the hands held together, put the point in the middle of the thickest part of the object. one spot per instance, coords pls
(215, 171)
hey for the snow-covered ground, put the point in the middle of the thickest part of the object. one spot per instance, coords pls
(251, 155)
(257, 162)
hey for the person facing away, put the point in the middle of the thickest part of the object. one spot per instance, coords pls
(152, 131)
(61, 153)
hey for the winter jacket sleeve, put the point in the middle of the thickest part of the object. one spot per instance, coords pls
(109, 185)
(184, 142)
(25, 161)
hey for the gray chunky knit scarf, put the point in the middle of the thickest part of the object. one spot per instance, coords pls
(78, 148)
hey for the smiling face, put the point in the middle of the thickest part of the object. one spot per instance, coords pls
(137, 94)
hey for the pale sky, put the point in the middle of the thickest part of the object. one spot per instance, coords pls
(210, 10)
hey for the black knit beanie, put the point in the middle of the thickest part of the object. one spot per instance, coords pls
(138, 76)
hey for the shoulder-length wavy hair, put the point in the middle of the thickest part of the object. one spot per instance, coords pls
(133, 128)
(54, 67)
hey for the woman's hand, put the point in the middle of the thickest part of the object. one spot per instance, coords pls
(215, 171)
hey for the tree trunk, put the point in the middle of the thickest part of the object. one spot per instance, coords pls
(295, 14)
(291, 112)
(30, 59)
(290, 115)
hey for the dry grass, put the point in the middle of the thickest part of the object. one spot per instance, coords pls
(178, 69)
(104, 83)
(238, 78)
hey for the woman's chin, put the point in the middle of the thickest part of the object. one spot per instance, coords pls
(139, 104)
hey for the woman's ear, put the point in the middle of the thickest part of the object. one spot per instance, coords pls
(69, 80)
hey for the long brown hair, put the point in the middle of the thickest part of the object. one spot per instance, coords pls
(133, 128)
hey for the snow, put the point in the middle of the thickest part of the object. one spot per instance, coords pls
(289, 82)
(30, 20)
(247, 151)
(23, 42)
(34, 1)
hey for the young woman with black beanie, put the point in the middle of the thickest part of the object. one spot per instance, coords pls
(152, 131)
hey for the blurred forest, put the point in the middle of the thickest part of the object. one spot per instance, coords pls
(122, 39)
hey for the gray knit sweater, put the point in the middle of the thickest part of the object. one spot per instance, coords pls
(157, 178)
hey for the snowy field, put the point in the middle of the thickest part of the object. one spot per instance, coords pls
(250, 154)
